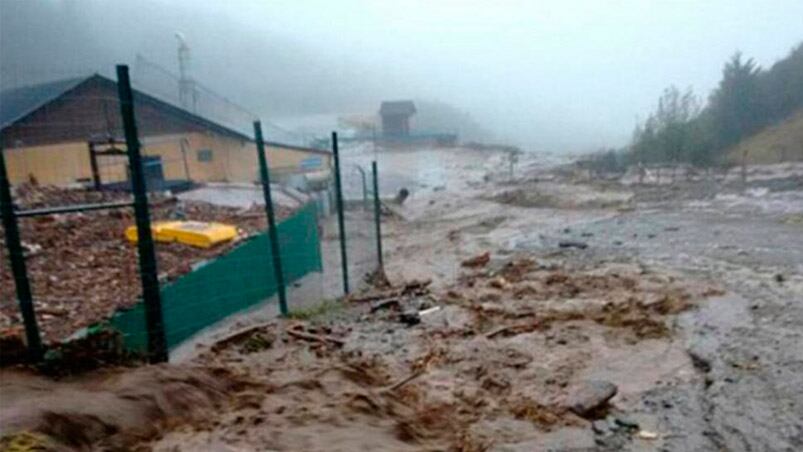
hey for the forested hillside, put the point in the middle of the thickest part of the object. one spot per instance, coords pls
(748, 101)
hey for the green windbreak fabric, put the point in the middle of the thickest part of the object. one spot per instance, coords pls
(228, 284)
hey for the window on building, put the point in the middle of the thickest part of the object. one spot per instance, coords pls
(205, 155)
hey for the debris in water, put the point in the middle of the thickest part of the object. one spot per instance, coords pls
(480, 260)
(646, 434)
(572, 244)
(298, 333)
(402, 195)
(384, 304)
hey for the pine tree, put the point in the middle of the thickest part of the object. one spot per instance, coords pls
(736, 106)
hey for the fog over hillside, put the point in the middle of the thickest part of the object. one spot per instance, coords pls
(559, 76)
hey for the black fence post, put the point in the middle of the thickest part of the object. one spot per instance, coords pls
(340, 220)
(377, 215)
(264, 176)
(157, 343)
(18, 268)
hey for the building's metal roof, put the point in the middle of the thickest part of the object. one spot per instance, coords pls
(17, 103)
(397, 107)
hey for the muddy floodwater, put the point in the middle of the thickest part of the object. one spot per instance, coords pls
(529, 307)
(744, 346)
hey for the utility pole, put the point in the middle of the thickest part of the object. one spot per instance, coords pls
(186, 86)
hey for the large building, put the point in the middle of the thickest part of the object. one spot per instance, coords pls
(70, 131)
(396, 118)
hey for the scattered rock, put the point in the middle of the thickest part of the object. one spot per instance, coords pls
(590, 395)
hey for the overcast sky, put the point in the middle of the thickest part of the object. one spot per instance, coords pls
(550, 75)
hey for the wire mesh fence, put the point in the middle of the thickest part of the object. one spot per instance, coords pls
(70, 162)
(358, 213)
(418, 184)
(88, 166)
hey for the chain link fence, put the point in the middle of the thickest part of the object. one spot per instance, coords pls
(238, 225)
(77, 254)
(359, 215)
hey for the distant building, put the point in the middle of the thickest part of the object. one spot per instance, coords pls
(70, 131)
(396, 118)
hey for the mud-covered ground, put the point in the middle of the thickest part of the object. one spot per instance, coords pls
(746, 345)
(746, 239)
(540, 283)
(493, 364)
(716, 369)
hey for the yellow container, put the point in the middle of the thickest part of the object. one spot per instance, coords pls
(193, 233)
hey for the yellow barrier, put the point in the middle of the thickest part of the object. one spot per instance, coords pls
(194, 233)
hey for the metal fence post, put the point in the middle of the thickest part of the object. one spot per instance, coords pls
(364, 188)
(18, 268)
(93, 163)
(340, 220)
(157, 342)
(264, 176)
(377, 214)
